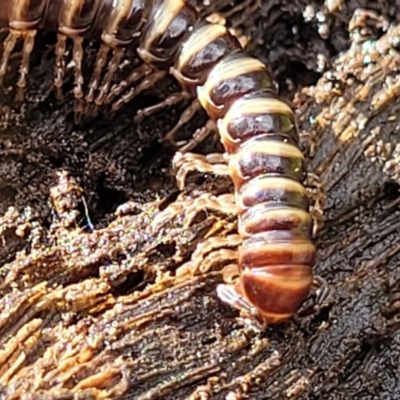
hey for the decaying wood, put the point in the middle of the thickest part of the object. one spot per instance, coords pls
(106, 302)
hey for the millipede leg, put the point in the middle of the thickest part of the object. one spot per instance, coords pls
(229, 295)
(77, 56)
(311, 142)
(322, 289)
(24, 68)
(315, 191)
(317, 299)
(90, 109)
(137, 74)
(9, 45)
(111, 70)
(251, 6)
(172, 99)
(60, 64)
(147, 83)
(186, 116)
(100, 62)
(198, 136)
(214, 163)
(84, 111)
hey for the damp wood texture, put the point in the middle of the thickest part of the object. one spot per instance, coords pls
(108, 272)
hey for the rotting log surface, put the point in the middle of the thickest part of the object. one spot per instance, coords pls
(117, 311)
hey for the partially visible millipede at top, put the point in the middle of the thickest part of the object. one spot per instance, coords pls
(257, 129)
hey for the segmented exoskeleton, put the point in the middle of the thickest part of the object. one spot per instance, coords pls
(257, 129)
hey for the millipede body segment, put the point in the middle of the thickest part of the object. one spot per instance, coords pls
(258, 130)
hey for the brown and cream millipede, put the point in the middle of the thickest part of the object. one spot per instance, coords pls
(258, 130)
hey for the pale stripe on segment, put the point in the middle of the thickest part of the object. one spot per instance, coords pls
(232, 68)
(168, 10)
(198, 41)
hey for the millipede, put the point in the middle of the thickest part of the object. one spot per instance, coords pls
(257, 129)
